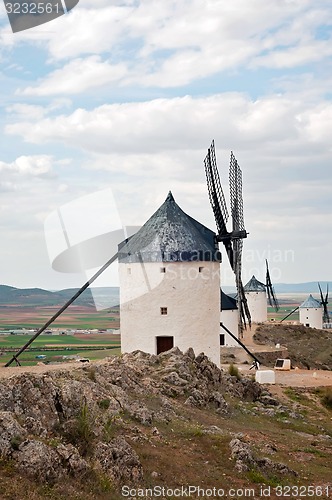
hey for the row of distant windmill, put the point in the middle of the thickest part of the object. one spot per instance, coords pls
(161, 305)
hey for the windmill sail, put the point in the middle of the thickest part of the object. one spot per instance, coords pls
(217, 200)
(273, 301)
(216, 194)
(233, 240)
(324, 302)
(236, 200)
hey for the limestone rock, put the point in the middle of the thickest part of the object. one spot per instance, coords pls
(38, 461)
(11, 434)
(119, 460)
(245, 460)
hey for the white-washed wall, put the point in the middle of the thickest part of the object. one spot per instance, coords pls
(312, 316)
(257, 306)
(192, 299)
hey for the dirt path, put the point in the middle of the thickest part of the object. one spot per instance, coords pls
(294, 378)
(19, 370)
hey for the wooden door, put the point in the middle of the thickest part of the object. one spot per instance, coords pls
(164, 344)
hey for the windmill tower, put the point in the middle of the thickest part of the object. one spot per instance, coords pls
(311, 313)
(229, 318)
(232, 240)
(255, 293)
(169, 274)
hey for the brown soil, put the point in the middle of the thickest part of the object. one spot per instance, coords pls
(308, 348)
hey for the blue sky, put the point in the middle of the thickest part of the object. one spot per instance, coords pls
(127, 96)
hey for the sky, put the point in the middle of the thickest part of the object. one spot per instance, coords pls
(119, 100)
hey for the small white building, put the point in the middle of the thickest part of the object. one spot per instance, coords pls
(169, 274)
(229, 317)
(255, 292)
(311, 313)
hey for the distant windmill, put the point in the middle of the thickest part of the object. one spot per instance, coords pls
(311, 313)
(324, 302)
(231, 240)
(273, 301)
(257, 294)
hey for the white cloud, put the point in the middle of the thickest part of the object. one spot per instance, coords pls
(296, 56)
(318, 124)
(143, 148)
(184, 123)
(36, 112)
(172, 44)
(88, 31)
(36, 166)
(78, 76)
(27, 111)
(7, 186)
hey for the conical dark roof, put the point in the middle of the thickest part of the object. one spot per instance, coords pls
(227, 303)
(254, 285)
(170, 235)
(311, 303)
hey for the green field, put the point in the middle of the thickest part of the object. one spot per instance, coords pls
(17, 341)
(282, 313)
(287, 304)
(95, 346)
(13, 317)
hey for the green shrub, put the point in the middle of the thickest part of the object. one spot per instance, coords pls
(15, 442)
(234, 371)
(104, 404)
(91, 372)
(81, 432)
(327, 398)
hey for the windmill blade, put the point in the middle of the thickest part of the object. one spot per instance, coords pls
(324, 302)
(326, 311)
(273, 301)
(216, 194)
(244, 313)
(239, 232)
(293, 311)
(236, 198)
(217, 200)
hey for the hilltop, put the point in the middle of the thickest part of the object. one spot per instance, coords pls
(145, 421)
(307, 347)
(30, 297)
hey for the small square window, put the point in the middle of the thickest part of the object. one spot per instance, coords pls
(200, 269)
(163, 311)
(163, 269)
(128, 270)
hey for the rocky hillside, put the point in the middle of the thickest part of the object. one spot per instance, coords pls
(143, 421)
(307, 347)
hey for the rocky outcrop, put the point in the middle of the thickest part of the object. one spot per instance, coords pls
(66, 422)
(118, 460)
(245, 460)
